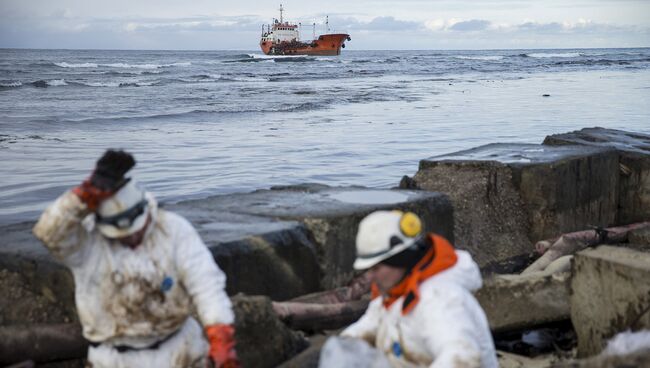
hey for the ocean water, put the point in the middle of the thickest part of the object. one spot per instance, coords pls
(206, 123)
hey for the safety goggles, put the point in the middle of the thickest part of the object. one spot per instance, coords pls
(125, 219)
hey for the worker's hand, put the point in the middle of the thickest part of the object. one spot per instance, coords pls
(106, 179)
(110, 169)
(91, 195)
(222, 345)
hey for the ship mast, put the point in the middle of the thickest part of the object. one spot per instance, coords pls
(281, 10)
(327, 23)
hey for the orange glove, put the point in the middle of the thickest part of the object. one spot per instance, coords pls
(91, 195)
(222, 345)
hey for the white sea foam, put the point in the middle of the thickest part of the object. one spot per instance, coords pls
(554, 55)
(262, 56)
(82, 65)
(121, 65)
(485, 58)
(10, 84)
(57, 82)
(100, 84)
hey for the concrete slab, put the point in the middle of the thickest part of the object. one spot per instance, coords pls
(281, 243)
(331, 216)
(610, 293)
(523, 301)
(634, 172)
(262, 339)
(508, 196)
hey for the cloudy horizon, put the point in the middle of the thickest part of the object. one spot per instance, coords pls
(373, 25)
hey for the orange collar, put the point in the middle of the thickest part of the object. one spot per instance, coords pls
(440, 257)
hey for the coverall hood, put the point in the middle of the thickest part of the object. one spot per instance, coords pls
(124, 213)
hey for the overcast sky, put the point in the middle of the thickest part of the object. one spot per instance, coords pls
(379, 24)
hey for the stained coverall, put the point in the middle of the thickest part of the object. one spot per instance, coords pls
(135, 304)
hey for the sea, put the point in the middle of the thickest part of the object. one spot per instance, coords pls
(203, 123)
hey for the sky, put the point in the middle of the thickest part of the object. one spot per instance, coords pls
(373, 25)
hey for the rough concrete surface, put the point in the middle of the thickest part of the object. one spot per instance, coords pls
(634, 166)
(524, 301)
(640, 359)
(639, 236)
(610, 293)
(508, 196)
(262, 340)
(330, 215)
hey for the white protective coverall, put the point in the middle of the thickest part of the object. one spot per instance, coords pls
(138, 297)
(446, 329)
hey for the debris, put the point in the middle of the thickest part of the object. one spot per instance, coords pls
(573, 242)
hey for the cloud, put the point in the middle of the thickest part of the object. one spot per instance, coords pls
(470, 25)
(391, 24)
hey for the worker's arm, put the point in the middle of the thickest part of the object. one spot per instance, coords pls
(60, 228)
(366, 327)
(449, 329)
(200, 275)
(206, 284)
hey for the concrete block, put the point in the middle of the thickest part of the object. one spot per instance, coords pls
(634, 166)
(610, 293)
(640, 236)
(281, 243)
(518, 301)
(508, 196)
(331, 216)
(262, 339)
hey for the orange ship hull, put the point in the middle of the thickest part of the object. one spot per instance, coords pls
(325, 45)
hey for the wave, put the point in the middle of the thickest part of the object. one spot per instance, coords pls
(133, 72)
(553, 55)
(41, 83)
(10, 84)
(297, 59)
(483, 58)
(122, 65)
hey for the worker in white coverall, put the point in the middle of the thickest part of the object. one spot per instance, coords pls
(138, 272)
(423, 312)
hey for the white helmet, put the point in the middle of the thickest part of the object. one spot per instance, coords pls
(124, 213)
(383, 234)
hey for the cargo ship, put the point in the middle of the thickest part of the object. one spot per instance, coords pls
(283, 38)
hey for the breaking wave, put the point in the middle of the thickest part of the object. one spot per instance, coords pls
(41, 83)
(553, 55)
(484, 58)
(122, 65)
(10, 84)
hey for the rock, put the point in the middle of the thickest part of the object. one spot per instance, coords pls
(610, 293)
(282, 243)
(309, 357)
(640, 236)
(509, 360)
(262, 340)
(508, 196)
(36, 288)
(634, 166)
(632, 360)
(523, 301)
(330, 216)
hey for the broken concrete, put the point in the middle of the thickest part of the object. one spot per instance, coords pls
(331, 216)
(633, 360)
(634, 166)
(640, 236)
(508, 196)
(523, 301)
(262, 339)
(299, 237)
(610, 293)
(35, 288)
